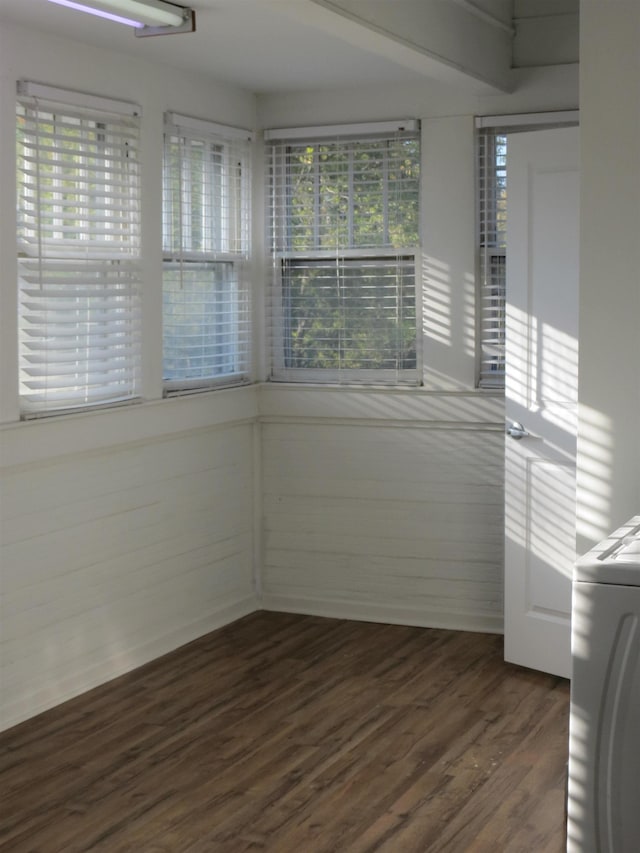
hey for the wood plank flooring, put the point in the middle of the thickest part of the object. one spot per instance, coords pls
(296, 734)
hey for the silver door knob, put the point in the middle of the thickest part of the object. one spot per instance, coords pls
(517, 431)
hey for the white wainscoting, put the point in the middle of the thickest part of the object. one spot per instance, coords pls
(386, 507)
(130, 532)
(116, 555)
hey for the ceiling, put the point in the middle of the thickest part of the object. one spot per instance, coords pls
(265, 45)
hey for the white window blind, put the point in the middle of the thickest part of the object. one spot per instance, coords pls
(78, 253)
(492, 176)
(207, 334)
(344, 236)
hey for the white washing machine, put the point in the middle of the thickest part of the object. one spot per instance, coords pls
(603, 804)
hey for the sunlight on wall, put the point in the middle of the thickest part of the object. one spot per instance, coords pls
(436, 300)
(470, 297)
(448, 325)
(595, 454)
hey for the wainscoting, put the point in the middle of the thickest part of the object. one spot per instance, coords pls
(383, 506)
(120, 550)
(129, 532)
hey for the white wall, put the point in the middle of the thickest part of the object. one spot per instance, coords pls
(608, 446)
(127, 532)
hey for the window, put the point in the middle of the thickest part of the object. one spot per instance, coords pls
(344, 238)
(492, 174)
(78, 250)
(206, 213)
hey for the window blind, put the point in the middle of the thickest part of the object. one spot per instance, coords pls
(344, 214)
(78, 254)
(206, 215)
(492, 185)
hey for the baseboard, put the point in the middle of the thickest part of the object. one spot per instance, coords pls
(19, 710)
(384, 613)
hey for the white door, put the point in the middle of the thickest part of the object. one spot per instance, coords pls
(541, 396)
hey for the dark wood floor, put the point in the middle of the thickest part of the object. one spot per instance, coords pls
(293, 733)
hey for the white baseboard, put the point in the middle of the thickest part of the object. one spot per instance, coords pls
(23, 708)
(384, 613)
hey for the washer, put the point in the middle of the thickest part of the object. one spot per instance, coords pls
(603, 803)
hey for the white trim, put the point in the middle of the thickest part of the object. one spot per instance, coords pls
(337, 376)
(178, 388)
(68, 97)
(389, 614)
(322, 131)
(39, 442)
(546, 17)
(526, 119)
(400, 405)
(474, 427)
(257, 504)
(208, 127)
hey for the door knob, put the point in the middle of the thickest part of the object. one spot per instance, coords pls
(517, 431)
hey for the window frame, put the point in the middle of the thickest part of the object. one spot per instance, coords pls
(279, 145)
(79, 294)
(226, 217)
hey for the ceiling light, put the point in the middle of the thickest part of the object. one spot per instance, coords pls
(148, 17)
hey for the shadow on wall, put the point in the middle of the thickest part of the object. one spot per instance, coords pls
(596, 446)
(448, 330)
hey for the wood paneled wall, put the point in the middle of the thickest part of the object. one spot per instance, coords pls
(396, 519)
(376, 505)
(113, 557)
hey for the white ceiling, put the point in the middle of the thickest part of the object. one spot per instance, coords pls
(259, 45)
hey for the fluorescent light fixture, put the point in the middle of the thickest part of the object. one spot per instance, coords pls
(148, 17)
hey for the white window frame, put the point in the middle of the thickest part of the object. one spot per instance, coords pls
(225, 247)
(79, 280)
(281, 253)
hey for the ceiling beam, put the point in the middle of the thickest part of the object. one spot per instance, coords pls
(440, 40)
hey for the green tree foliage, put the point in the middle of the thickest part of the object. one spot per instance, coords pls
(348, 279)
